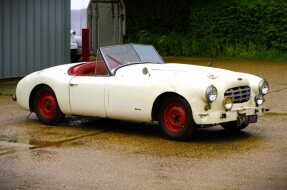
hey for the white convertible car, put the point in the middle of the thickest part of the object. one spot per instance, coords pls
(132, 82)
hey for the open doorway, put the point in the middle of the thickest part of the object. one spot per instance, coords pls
(105, 21)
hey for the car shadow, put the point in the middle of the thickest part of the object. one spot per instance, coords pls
(213, 134)
(115, 126)
(218, 134)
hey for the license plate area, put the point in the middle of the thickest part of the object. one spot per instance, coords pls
(244, 119)
(252, 118)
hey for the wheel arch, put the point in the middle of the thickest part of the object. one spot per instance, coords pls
(33, 93)
(160, 99)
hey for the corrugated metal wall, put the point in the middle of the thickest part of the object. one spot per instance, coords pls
(34, 34)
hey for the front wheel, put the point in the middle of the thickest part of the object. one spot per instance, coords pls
(46, 106)
(176, 118)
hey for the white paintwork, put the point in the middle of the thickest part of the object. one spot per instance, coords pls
(87, 96)
(130, 95)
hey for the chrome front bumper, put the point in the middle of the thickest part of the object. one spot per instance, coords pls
(217, 117)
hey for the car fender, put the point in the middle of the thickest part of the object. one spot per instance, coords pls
(58, 82)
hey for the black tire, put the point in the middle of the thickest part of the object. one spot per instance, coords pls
(46, 106)
(176, 119)
(233, 126)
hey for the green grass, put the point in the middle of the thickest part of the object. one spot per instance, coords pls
(7, 93)
(271, 55)
(8, 86)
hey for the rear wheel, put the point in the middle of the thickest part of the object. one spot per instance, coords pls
(233, 126)
(46, 106)
(176, 118)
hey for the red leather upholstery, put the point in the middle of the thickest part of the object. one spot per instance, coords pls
(101, 68)
(88, 69)
(82, 69)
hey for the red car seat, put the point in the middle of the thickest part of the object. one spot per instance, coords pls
(90, 68)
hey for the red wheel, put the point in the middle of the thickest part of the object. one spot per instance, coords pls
(176, 118)
(46, 106)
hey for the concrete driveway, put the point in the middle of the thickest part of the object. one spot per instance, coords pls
(87, 153)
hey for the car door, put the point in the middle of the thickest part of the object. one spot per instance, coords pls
(129, 97)
(87, 95)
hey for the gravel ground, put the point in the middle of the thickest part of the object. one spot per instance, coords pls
(104, 154)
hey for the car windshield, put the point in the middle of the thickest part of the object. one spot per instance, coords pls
(120, 55)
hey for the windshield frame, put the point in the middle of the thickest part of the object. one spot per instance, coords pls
(100, 55)
(112, 72)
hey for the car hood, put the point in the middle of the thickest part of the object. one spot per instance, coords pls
(201, 75)
(195, 71)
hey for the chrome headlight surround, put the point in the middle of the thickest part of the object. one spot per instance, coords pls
(263, 87)
(211, 93)
(259, 100)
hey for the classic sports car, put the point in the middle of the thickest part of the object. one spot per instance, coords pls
(132, 82)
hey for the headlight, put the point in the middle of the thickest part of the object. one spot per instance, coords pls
(228, 103)
(263, 87)
(259, 100)
(211, 93)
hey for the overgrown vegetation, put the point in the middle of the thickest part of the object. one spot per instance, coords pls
(8, 86)
(237, 28)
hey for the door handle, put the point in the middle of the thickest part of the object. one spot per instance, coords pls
(73, 84)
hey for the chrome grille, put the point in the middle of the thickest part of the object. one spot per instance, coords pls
(238, 94)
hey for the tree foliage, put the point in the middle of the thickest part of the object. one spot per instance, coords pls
(210, 28)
